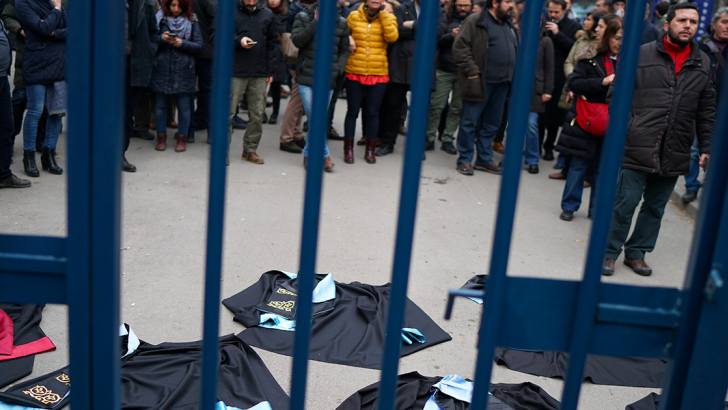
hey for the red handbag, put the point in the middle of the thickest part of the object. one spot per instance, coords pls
(592, 117)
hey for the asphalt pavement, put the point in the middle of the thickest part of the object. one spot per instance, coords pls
(164, 231)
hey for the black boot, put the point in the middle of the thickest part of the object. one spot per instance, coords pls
(31, 169)
(48, 161)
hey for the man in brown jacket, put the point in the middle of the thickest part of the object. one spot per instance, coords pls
(485, 52)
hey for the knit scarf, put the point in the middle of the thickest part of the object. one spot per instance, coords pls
(608, 63)
(180, 27)
(679, 56)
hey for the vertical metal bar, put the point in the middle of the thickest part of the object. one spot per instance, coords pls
(323, 60)
(709, 216)
(421, 87)
(581, 330)
(494, 302)
(219, 127)
(79, 69)
(107, 92)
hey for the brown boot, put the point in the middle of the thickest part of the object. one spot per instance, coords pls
(362, 141)
(328, 164)
(181, 143)
(252, 157)
(349, 150)
(608, 266)
(639, 266)
(161, 142)
(369, 154)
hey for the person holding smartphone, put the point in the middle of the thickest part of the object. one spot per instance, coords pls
(174, 68)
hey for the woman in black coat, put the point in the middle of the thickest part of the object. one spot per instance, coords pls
(280, 10)
(174, 68)
(44, 73)
(590, 82)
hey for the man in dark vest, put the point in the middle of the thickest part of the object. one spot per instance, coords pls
(142, 36)
(667, 114)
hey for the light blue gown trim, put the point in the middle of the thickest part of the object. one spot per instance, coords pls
(453, 386)
(133, 342)
(260, 406)
(409, 335)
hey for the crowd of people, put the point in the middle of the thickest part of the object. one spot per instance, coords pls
(169, 50)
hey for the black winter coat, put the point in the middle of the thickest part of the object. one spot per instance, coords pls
(400, 54)
(586, 81)
(205, 11)
(304, 37)
(445, 62)
(145, 35)
(544, 81)
(174, 67)
(44, 55)
(261, 26)
(667, 112)
(281, 73)
(563, 41)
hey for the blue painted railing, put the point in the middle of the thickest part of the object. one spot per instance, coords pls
(576, 317)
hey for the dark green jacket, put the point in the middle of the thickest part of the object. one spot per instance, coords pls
(304, 37)
(470, 52)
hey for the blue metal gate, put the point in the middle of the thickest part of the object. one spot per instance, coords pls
(583, 317)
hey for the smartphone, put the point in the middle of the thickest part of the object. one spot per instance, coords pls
(252, 42)
(171, 35)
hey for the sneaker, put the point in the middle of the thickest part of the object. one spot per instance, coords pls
(291, 147)
(566, 215)
(252, 157)
(464, 168)
(449, 148)
(14, 182)
(489, 168)
(385, 149)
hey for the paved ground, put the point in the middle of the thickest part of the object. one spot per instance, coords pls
(163, 242)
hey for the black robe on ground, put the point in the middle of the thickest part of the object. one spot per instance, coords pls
(414, 390)
(650, 402)
(350, 333)
(25, 329)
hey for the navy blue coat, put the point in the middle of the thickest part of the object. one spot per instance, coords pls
(44, 58)
(174, 67)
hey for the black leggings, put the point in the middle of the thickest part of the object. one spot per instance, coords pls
(275, 90)
(356, 93)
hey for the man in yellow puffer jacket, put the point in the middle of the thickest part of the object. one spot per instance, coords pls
(367, 72)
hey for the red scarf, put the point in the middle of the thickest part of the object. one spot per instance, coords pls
(679, 56)
(608, 64)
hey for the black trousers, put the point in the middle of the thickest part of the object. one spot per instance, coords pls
(7, 128)
(132, 100)
(334, 97)
(390, 111)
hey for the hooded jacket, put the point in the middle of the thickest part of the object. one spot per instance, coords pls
(174, 67)
(372, 39)
(668, 110)
(304, 37)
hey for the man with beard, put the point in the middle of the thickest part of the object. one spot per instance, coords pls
(447, 77)
(674, 100)
(485, 51)
(562, 32)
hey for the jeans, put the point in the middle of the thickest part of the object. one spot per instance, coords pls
(183, 110)
(446, 83)
(479, 122)
(632, 186)
(574, 186)
(691, 179)
(36, 102)
(307, 99)
(532, 149)
(6, 128)
(370, 96)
